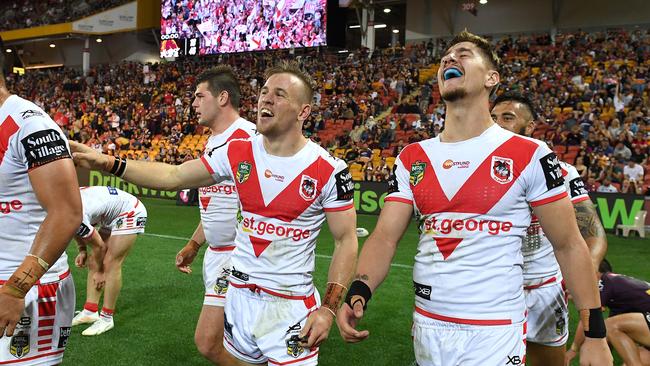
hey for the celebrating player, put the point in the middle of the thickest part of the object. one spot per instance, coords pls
(628, 324)
(548, 316)
(287, 187)
(40, 210)
(216, 102)
(471, 188)
(120, 217)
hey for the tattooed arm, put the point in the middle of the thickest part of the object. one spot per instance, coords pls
(592, 230)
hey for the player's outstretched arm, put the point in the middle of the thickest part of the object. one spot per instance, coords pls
(57, 190)
(191, 174)
(592, 231)
(558, 222)
(186, 256)
(373, 266)
(342, 225)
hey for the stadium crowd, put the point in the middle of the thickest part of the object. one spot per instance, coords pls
(18, 14)
(591, 91)
(261, 25)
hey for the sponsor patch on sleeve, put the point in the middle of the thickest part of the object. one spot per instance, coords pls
(392, 184)
(344, 185)
(552, 171)
(42, 147)
(577, 187)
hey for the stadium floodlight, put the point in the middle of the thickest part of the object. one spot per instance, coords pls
(52, 45)
(343, 51)
(483, 2)
(355, 26)
(386, 10)
(396, 31)
(99, 40)
(378, 26)
(9, 50)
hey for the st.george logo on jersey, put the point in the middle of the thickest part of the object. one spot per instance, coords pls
(417, 172)
(308, 188)
(501, 170)
(243, 171)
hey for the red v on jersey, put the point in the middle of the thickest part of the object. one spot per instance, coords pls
(288, 204)
(7, 129)
(205, 201)
(477, 195)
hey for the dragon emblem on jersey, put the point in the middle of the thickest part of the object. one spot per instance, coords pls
(19, 345)
(417, 172)
(243, 171)
(308, 188)
(501, 170)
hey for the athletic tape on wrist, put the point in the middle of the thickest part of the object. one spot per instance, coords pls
(359, 292)
(27, 274)
(593, 323)
(334, 296)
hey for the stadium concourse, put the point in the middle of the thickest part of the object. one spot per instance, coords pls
(591, 89)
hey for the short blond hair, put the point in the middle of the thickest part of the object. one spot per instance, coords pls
(293, 68)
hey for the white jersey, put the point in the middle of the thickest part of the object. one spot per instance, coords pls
(472, 199)
(110, 208)
(219, 203)
(540, 266)
(283, 204)
(28, 139)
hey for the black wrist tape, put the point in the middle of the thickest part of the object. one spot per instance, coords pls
(119, 166)
(596, 324)
(358, 288)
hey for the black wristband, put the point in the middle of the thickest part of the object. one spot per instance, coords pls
(116, 164)
(121, 168)
(358, 288)
(596, 324)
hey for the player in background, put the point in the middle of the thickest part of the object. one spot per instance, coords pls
(120, 217)
(548, 315)
(282, 213)
(628, 324)
(40, 210)
(216, 102)
(471, 188)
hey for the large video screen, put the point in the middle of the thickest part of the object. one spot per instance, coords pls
(205, 27)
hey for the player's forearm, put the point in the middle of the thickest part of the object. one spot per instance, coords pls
(55, 232)
(592, 231)
(199, 235)
(579, 337)
(375, 259)
(153, 175)
(99, 252)
(343, 260)
(579, 273)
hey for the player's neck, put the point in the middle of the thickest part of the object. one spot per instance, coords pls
(4, 94)
(466, 119)
(286, 145)
(225, 120)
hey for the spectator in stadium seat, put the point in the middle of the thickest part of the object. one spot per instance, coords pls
(607, 187)
(628, 324)
(622, 152)
(633, 171)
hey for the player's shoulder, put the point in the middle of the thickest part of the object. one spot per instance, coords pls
(25, 112)
(325, 156)
(530, 142)
(416, 150)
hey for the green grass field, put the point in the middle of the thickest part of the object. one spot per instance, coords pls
(158, 307)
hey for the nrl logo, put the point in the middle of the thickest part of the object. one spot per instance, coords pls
(243, 171)
(417, 172)
(308, 188)
(19, 344)
(294, 349)
(501, 170)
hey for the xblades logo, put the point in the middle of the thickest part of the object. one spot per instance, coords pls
(514, 360)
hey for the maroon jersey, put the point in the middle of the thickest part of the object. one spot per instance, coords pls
(623, 294)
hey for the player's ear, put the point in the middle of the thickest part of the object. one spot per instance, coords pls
(305, 111)
(492, 79)
(223, 98)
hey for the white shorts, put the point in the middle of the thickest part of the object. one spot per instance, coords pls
(548, 316)
(260, 327)
(132, 222)
(443, 343)
(216, 269)
(42, 334)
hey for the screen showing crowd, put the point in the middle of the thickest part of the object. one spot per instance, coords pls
(205, 27)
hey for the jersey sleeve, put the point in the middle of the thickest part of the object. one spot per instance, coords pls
(399, 189)
(574, 185)
(338, 192)
(40, 141)
(217, 163)
(543, 178)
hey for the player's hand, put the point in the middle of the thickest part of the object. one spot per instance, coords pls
(317, 328)
(595, 352)
(347, 320)
(11, 308)
(186, 256)
(80, 260)
(569, 356)
(99, 279)
(86, 157)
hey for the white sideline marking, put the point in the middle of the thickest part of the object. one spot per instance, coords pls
(397, 265)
